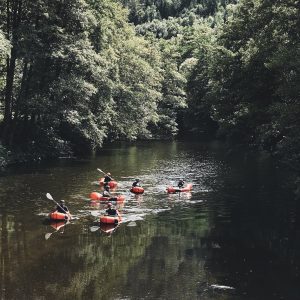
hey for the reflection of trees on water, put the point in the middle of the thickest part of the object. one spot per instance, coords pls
(150, 257)
(136, 158)
(173, 264)
(69, 266)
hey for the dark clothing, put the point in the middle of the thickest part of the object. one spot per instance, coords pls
(180, 184)
(135, 183)
(62, 208)
(107, 179)
(112, 212)
(106, 193)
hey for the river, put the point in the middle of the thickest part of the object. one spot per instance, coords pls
(235, 236)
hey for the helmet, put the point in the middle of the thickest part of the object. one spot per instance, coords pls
(108, 174)
(137, 180)
(109, 204)
(62, 201)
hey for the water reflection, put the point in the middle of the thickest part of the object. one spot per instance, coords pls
(237, 228)
(58, 226)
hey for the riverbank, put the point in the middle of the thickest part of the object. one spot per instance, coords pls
(32, 153)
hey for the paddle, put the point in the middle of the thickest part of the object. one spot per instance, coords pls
(48, 195)
(101, 171)
(94, 228)
(47, 235)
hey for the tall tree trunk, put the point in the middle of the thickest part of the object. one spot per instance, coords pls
(16, 106)
(13, 19)
(11, 65)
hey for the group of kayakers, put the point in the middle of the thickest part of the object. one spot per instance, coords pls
(108, 182)
(135, 188)
(106, 193)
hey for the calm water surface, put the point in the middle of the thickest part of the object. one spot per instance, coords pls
(236, 236)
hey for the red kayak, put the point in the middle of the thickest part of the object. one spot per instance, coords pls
(98, 196)
(55, 215)
(112, 184)
(172, 189)
(137, 190)
(110, 219)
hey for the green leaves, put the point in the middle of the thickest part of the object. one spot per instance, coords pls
(4, 45)
(244, 75)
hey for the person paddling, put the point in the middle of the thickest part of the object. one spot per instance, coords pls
(111, 211)
(106, 192)
(136, 183)
(62, 208)
(180, 183)
(107, 178)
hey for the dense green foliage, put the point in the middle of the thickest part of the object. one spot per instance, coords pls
(167, 19)
(143, 11)
(74, 74)
(77, 74)
(247, 76)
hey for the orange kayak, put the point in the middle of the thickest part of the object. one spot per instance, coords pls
(137, 190)
(171, 189)
(110, 219)
(55, 215)
(98, 196)
(112, 184)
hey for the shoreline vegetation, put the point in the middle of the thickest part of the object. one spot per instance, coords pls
(77, 74)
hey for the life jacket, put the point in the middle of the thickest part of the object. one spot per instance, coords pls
(62, 209)
(107, 178)
(111, 212)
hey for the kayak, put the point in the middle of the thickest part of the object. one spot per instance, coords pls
(55, 215)
(112, 184)
(172, 189)
(98, 196)
(137, 190)
(110, 219)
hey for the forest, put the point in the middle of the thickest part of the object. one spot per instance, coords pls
(75, 74)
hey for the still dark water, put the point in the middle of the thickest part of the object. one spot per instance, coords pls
(236, 236)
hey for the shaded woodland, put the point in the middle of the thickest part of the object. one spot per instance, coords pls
(76, 74)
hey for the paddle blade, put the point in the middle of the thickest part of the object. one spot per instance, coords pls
(100, 170)
(47, 235)
(49, 196)
(94, 228)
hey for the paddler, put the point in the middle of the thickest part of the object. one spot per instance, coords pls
(106, 192)
(180, 183)
(107, 178)
(136, 183)
(62, 208)
(111, 211)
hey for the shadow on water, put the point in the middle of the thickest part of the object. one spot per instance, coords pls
(235, 236)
